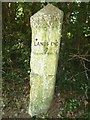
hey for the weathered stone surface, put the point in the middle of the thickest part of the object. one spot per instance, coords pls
(46, 28)
(41, 93)
(44, 64)
(46, 33)
(49, 16)
(46, 41)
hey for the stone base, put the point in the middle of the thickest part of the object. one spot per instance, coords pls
(41, 93)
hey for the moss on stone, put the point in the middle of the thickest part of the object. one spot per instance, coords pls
(46, 27)
(41, 93)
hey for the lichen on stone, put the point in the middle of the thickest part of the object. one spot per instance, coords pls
(46, 34)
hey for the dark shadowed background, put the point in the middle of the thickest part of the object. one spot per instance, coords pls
(71, 97)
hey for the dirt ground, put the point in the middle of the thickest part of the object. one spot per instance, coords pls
(65, 104)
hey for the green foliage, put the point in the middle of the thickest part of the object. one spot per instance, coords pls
(73, 67)
(71, 107)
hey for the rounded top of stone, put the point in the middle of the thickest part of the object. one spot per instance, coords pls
(48, 10)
